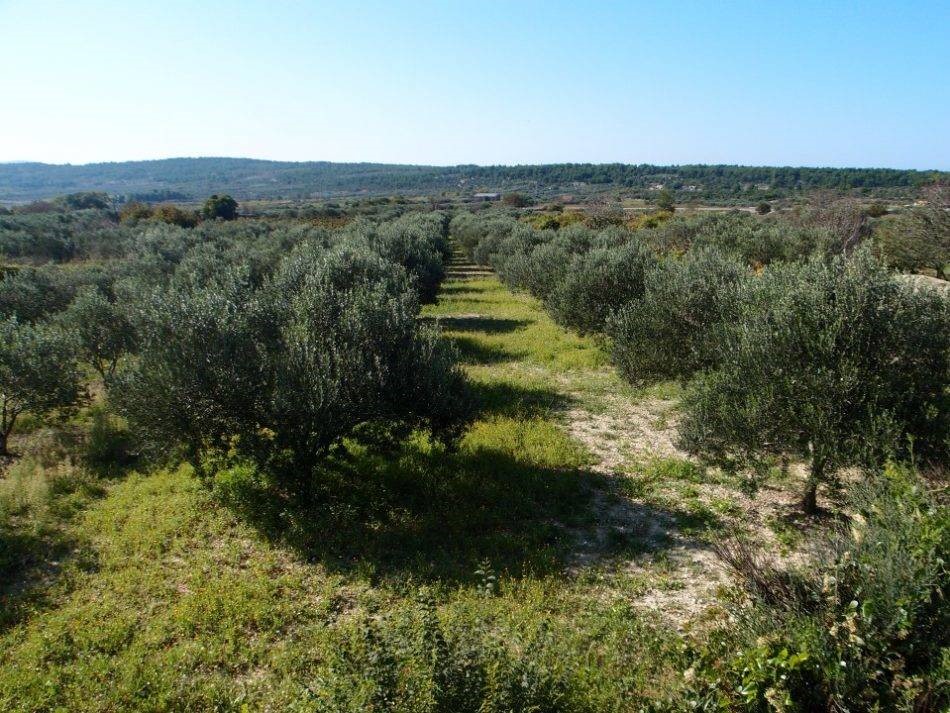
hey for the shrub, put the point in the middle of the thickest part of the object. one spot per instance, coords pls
(915, 241)
(421, 663)
(134, 211)
(516, 200)
(837, 362)
(671, 331)
(175, 216)
(557, 219)
(597, 283)
(876, 210)
(649, 220)
(763, 208)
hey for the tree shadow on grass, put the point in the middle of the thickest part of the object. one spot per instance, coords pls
(506, 399)
(627, 528)
(31, 560)
(476, 352)
(37, 540)
(428, 514)
(462, 331)
(460, 287)
(477, 323)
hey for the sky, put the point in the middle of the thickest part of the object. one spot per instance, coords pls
(830, 83)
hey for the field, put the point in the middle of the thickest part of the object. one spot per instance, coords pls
(524, 528)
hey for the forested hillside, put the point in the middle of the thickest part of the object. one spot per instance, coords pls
(191, 178)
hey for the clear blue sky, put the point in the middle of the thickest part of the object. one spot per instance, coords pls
(828, 83)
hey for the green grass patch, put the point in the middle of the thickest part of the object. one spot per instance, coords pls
(489, 321)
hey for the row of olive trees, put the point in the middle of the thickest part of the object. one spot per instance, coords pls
(327, 346)
(830, 358)
(272, 342)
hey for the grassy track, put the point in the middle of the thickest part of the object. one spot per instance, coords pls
(172, 600)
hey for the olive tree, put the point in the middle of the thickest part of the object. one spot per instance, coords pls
(597, 283)
(415, 244)
(343, 359)
(101, 328)
(38, 373)
(536, 261)
(834, 361)
(32, 294)
(670, 332)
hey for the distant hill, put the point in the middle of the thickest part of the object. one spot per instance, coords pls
(194, 178)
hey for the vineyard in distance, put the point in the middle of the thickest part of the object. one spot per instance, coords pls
(564, 438)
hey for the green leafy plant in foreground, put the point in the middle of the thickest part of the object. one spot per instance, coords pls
(862, 627)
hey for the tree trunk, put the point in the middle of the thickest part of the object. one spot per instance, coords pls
(810, 499)
(7, 419)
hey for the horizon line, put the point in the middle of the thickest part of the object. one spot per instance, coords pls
(17, 162)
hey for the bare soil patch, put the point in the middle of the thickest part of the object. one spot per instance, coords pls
(683, 574)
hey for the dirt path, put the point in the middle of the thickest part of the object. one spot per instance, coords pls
(625, 436)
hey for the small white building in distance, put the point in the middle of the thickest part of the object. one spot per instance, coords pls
(487, 196)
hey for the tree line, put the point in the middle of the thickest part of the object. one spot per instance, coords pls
(195, 177)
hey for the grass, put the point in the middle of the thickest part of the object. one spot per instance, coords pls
(41, 493)
(510, 327)
(186, 607)
(167, 594)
